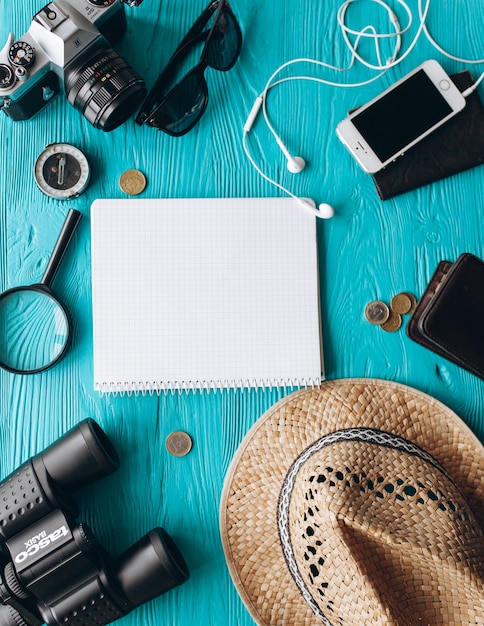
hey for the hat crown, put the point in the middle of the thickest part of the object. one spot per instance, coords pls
(371, 525)
(252, 538)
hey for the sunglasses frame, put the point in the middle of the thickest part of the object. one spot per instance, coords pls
(152, 105)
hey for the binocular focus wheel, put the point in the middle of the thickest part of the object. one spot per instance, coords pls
(15, 618)
(13, 583)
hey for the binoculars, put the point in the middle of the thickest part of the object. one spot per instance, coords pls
(52, 570)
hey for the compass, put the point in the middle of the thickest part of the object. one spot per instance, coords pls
(62, 171)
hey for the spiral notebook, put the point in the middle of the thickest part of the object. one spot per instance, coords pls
(204, 294)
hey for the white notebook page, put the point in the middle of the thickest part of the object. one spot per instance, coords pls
(204, 293)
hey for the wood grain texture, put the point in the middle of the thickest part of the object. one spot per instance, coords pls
(369, 250)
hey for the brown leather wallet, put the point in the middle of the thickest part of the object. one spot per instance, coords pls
(449, 317)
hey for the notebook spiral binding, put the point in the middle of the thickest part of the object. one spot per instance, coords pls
(153, 387)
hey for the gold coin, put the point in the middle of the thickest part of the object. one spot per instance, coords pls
(377, 312)
(393, 323)
(402, 303)
(132, 182)
(179, 443)
(413, 300)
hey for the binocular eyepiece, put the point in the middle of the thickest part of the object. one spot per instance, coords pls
(53, 569)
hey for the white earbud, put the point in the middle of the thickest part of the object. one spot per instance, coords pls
(324, 211)
(295, 164)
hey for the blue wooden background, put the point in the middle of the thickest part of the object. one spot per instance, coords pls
(368, 250)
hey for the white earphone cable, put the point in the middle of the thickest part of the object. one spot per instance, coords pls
(368, 32)
(305, 204)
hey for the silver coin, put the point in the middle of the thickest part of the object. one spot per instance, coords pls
(377, 312)
(179, 443)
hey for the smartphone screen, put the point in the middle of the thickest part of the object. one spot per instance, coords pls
(402, 115)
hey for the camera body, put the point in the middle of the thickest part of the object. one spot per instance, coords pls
(68, 46)
(52, 569)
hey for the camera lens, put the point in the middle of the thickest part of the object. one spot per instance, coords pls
(104, 88)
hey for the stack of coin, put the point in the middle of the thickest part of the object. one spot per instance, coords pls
(389, 318)
(403, 303)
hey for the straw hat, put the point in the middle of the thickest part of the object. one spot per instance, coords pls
(359, 502)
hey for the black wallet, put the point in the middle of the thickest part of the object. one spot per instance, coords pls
(449, 317)
(456, 146)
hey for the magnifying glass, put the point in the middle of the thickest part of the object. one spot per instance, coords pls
(34, 325)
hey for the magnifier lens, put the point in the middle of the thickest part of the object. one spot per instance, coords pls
(34, 329)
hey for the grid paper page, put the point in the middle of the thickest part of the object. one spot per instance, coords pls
(204, 293)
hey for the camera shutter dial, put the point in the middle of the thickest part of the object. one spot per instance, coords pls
(21, 54)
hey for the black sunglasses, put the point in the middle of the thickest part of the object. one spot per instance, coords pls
(177, 111)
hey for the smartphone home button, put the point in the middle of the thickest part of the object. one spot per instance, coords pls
(444, 85)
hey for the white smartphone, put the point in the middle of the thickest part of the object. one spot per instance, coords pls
(383, 129)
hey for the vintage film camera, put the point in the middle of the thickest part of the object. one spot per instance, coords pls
(52, 570)
(68, 43)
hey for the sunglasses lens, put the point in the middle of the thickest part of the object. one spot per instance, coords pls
(223, 47)
(184, 106)
(176, 110)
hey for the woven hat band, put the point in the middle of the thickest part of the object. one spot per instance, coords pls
(372, 527)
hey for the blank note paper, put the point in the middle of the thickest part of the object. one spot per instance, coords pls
(204, 293)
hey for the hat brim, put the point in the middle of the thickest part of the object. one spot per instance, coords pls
(248, 510)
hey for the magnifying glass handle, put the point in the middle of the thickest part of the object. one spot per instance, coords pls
(60, 248)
